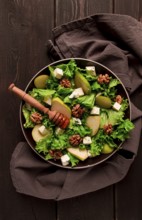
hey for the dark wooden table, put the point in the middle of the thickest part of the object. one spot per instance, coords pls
(25, 27)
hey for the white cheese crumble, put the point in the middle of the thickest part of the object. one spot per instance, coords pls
(92, 70)
(58, 73)
(65, 160)
(42, 129)
(95, 111)
(76, 93)
(87, 140)
(77, 121)
(116, 106)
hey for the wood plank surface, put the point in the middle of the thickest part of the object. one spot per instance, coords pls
(90, 205)
(67, 11)
(128, 7)
(128, 192)
(24, 30)
(25, 27)
(97, 205)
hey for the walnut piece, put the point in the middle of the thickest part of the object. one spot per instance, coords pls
(108, 128)
(103, 78)
(56, 154)
(65, 83)
(36, 117)
(119, 99)
(77, 111)
(75, 139)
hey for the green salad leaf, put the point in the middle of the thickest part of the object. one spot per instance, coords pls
(41, 93)
(28, 123)
(86, 100)
(122, 131)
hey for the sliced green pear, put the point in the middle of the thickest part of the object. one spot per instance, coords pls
(81, 154)
(40, 81)
(103, 101)
(81, 82)
(37, 136)
(59, 106)
(107, 149)
(93, 122)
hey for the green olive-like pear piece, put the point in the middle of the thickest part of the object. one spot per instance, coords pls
(40, 81)
(103, 101)
(107, 149)
(81, 82)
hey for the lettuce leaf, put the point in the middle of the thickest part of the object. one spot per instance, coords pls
(28, 122)
(64, 91)
(42, 93)
(69, 68)
(122, 131)
(82, 130)
(113, 83)
(74, 161)
(111, 117)
(43, 145)
(86, 100)
(99, 140)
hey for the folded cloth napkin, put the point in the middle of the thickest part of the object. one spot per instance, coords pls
(113, 40)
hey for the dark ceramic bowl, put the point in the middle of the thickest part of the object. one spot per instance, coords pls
(82, 63)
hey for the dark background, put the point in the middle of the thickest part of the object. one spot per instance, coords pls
(25, 27)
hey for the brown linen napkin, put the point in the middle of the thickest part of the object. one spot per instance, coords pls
(113, 40)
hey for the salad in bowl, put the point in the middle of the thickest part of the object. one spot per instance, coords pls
(96, 103)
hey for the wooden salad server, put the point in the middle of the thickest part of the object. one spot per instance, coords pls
(58, 118)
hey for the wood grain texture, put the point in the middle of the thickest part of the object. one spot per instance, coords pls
(97, 205)
(67, 11)
(128, 192)
(25, 27)
(24, 30)
(128, 7)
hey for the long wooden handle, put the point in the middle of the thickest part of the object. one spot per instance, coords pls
(27, 98)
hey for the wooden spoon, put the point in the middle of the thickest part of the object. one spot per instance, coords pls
(59, 119)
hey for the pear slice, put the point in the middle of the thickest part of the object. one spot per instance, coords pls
(59, 106)
(93, 122)
(37, 136)
(107, 149)
(103, 101)
(81, 82)
(81, 154)
(40, 81)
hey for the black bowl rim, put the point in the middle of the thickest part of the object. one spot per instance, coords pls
(56, 63)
